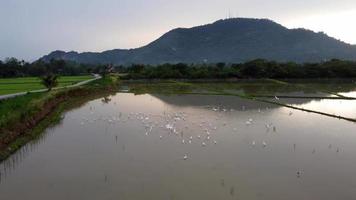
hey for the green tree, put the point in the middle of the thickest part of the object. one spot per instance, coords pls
(50, 81)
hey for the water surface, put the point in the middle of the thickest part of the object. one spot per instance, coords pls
(188, 147)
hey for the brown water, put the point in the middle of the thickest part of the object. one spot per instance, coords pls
(131, 147)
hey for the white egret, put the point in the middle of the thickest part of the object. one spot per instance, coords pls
(264, 144)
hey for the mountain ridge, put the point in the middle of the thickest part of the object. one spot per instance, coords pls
(229, 40)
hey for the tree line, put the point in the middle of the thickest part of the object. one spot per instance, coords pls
(12, 67)
(258, 68)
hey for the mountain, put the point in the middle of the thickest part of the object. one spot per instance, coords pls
(230, 40)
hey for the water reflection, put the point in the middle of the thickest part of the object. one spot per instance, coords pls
(9, 165)
(345, 108)
(221, 102)
(185, 147)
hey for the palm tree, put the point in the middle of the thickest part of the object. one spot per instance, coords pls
(50, 81)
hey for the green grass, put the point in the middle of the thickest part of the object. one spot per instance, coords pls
(11, 108)
(15, 85)
(260, 87)
(265, 87)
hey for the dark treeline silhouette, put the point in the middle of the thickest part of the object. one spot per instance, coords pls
(258, 68)
(12, 67)
(253, 69)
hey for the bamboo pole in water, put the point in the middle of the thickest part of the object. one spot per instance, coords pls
(304, 97)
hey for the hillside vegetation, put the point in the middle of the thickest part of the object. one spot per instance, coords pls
(231, 40)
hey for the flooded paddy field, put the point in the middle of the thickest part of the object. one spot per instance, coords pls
(150, 145)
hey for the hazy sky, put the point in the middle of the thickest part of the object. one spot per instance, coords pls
(32, 28)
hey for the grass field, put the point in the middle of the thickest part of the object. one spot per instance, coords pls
(15, 85)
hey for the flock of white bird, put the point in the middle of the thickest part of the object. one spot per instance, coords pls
(178, 123)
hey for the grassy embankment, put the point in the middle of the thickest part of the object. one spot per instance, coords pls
(24, 118)
(267, 88)
(16, 85)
